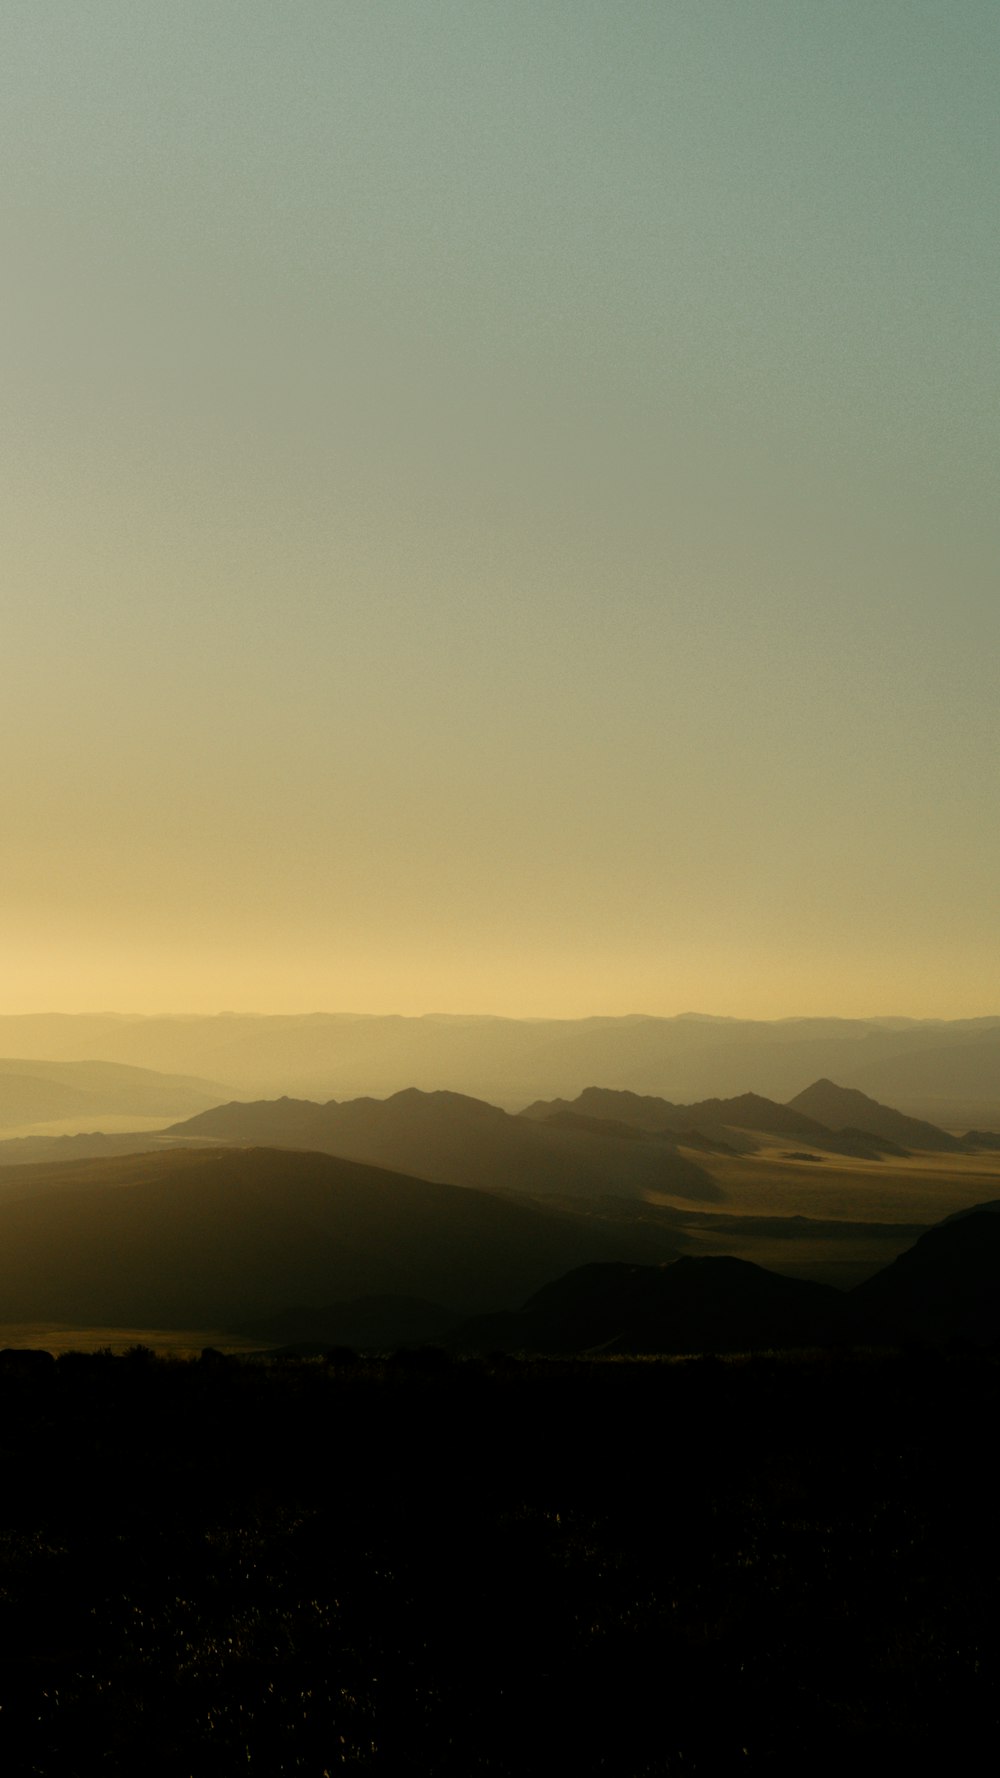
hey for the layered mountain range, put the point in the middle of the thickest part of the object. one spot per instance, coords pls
(614, 1221)
(946, 1072)
(604, 1141)
(313, 1250)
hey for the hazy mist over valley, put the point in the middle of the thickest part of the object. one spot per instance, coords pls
(950, 1069)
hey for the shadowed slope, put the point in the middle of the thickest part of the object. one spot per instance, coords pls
(464, 1141)
(947, 1286)
(216, 1237)
(694, 1305)
(844, 1108)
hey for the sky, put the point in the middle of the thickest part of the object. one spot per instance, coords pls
(499, 506)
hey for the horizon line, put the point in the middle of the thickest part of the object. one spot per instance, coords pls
(524, 1019)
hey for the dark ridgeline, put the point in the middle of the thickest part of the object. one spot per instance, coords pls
(946, 1288)
(694, 1305)
(558, 1146)
(943, 1291)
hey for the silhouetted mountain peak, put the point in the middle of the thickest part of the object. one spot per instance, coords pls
(843, 1108)
(751, 1111)
(440, 1101)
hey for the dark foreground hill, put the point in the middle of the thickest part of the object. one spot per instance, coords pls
(464, 1142)
(694, 1305)
(947, 1286)
(943, 1289)
(296, 1246)
(217, 1237)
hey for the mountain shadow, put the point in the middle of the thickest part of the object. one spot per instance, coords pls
(694, 1305)
(947, 1286)
(220, 1237)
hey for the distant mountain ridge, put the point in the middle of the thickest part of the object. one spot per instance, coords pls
(849, 1115)
(746, 1111)
(378, 1124)
(846, 1108)
(44, 1091)
(947, 1072)
(463, 1141)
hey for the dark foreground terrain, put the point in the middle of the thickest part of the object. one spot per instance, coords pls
(429, 1566)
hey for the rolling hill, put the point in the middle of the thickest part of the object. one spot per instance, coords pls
(330, 1249)
(694, 1305)
(36, 1091)
(217, 1237)
(945, 1287)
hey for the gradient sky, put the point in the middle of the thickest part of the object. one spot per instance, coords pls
(500, 505)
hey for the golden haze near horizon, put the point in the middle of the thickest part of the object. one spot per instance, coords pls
(500, 508)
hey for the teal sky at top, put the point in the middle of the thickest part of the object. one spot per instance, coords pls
(497, 492)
